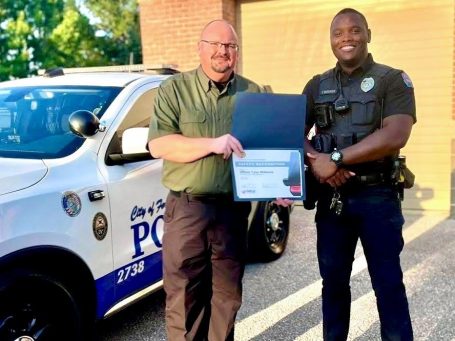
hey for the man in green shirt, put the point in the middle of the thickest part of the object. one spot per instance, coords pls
(204, 241)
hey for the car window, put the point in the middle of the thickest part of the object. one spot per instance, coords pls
(138, 116)
(140, 113)
(34, 120)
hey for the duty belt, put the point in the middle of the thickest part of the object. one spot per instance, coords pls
(371, 179)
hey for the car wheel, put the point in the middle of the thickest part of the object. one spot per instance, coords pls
(268, 234)
(37, 307)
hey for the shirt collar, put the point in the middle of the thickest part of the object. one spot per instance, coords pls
(207, 83)
(365, 66)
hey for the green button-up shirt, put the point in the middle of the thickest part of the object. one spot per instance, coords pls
(190, 104)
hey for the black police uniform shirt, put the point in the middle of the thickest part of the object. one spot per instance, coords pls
(398, 90)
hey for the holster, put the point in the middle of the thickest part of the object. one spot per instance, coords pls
(402, 176)
(409, 177)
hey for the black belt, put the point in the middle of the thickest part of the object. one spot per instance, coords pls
(222, 197)
(372, 179)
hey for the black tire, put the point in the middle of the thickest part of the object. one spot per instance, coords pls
(38, 306)
(268, 233)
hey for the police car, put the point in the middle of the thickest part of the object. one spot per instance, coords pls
(81, 203)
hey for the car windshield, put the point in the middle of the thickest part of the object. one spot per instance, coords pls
(34, 120)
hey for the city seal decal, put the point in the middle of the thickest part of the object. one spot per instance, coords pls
(71, 203)
(100, 226)
(367, 84)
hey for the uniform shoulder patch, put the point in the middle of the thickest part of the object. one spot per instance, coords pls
(407, 80)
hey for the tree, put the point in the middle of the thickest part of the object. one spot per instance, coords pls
(51, 33)
(74, 42)
(14, 47)
(24, 28)
(118, 22)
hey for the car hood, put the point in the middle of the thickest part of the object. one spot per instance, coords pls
(17, 174)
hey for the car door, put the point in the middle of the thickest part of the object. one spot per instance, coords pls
(137, 201)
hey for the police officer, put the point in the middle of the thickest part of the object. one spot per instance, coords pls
(364, 113)
(204, 237)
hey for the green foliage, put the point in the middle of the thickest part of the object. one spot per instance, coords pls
(74, 42)
(14, 51)
(38, 34)
(119, 22)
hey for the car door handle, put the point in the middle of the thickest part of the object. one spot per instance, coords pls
(96, 195)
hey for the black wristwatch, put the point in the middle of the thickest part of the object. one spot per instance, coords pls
(337, 157)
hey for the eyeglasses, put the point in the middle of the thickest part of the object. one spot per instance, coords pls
(218, 45)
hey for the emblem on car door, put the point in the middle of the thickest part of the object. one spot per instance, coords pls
(100, 226)
(71, 203)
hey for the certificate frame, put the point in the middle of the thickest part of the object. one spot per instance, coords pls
(265, 174)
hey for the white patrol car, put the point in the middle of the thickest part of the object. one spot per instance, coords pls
(81, 202)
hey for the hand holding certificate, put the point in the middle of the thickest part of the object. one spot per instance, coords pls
(271, 130)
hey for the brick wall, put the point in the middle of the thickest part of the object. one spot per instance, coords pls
(170, 29)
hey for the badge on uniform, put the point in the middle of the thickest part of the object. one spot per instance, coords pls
(407, 80)
(367, 84)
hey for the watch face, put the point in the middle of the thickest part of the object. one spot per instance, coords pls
(336, 156)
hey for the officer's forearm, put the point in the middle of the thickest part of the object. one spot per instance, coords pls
(179, 148)
(383, 142)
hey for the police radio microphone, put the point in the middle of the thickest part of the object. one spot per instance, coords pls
(341, 104)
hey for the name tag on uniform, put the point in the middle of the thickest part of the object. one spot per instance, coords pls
(329, 92)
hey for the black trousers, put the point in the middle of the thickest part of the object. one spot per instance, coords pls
(373, 215)
(204, 249)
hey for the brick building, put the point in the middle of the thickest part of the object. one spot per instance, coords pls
(285, 42)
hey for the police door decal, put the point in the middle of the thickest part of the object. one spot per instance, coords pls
(143, 229)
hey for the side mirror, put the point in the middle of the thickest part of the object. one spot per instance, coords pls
(84, 123)
(134, 140)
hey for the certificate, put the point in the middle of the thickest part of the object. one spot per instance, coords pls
(264, 174)
(270, 128)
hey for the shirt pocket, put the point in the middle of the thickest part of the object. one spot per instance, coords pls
(363, 108)
(193, 122)
(326, 99)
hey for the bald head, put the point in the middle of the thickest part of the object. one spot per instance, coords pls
(215, 26)
(218, 50)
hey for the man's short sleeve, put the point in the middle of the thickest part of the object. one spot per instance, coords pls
(165, 116)
(399, 95)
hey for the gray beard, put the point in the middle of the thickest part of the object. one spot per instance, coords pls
(220, 69)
